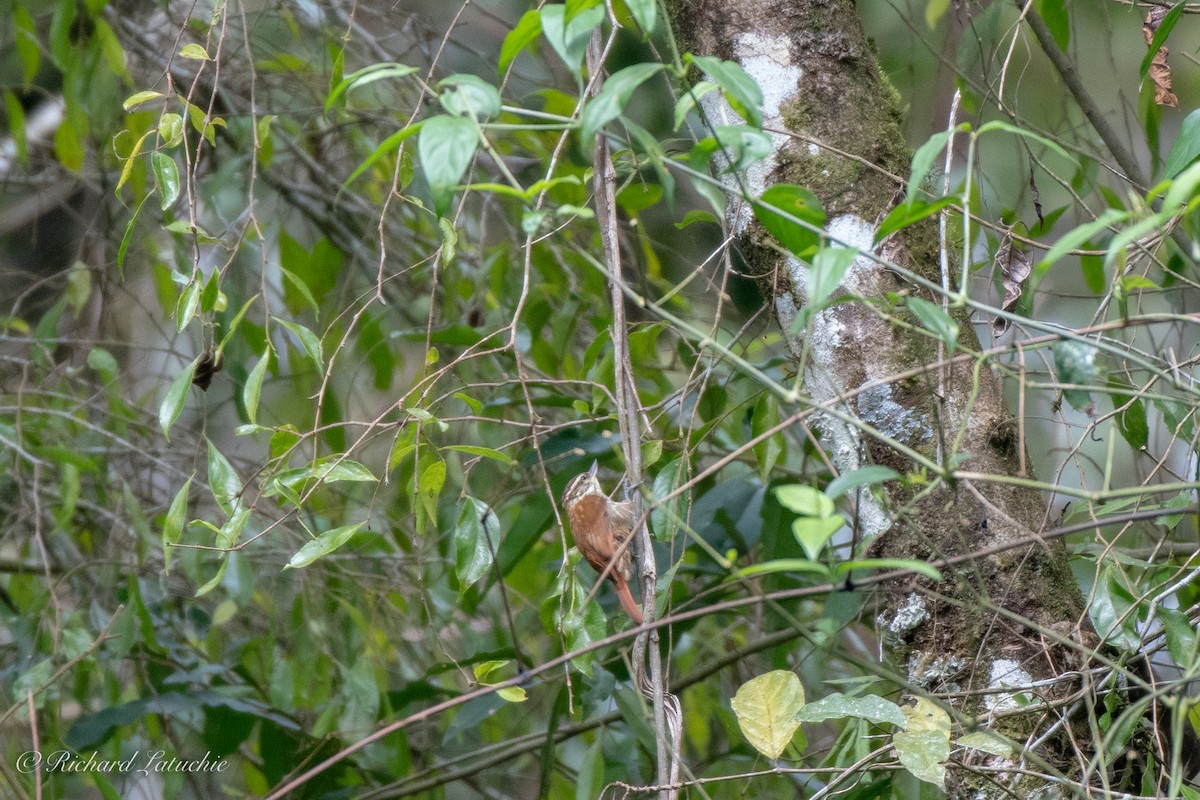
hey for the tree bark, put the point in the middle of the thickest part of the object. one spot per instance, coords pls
(994, 623)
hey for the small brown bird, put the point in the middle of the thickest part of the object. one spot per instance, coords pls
(600, 526)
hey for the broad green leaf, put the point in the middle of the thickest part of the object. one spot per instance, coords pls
(469, 96)
(804, 500)
(172, 404)
(173, 524)
(612, 98)
(231, 531)
(29, 51)
(485, 452)
(919, 567)
(194, 52)
(215, 580)
(825, 273)
(103, 362)
(1054, 14)
(741, 90)
(986, 742)
(253, 388)
(871, 708)
(766, 709)
(323, 545)
(430, 487)
(924, 744)
(1180, 634)
(801, 206)
(166, 174)
(1186, 148)
(445, 148)
(1077, 236)
(1050, 144)
(787, 565)
(922, 161)
(223, 480)
(1165, 26)
(1075, 363)
(308, 339)
(1132, 424)
(365, 76)
(868, 475)
(513, 694)
(689, 100)
(386, 147)
(934, 11)
(812, 533)
(525, 33)
(137, 98)
(569, 38)
(475, 540)
(935, 319)
(68, 145)
(170, 129)
(908, 213)
(645, 13)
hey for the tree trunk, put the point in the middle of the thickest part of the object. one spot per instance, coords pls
(993, 622)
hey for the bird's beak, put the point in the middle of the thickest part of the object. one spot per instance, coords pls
(592, 471)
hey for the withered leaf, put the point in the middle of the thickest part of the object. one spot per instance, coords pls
(1014, 269)
(1159, 71)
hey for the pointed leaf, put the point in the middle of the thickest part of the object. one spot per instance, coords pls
(766, 709)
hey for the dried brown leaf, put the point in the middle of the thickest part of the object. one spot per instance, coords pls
(1014, 269)
(1160, 71)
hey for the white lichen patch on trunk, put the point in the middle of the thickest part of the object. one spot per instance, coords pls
(825, 376)
(1006, 674)
(768, 60)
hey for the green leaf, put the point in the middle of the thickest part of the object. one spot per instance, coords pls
(469, 96)
(986, 742)
(812, 533)
(170, 130)
(445, 147)
(16, 126)
(485, 452)
(1160, 37)
(569, 38)
(1054, 14)
(1186, 148)
(612, 98)
(223, 479)
(868, 475)
(1050, 144)
(922, 161)
(176, 518)
(253, 388)
(804, 500)
(387, 146)
(103, 362)
(1077, 236)
(1133, 426)
(323, 545)
(430, 487)
(475, 540)
(919, 567)
(741, 90)
(525, 33)
(871, 708)
(365, 76)
(825, 273)
(26, 39)
(798, 203)
(137, 98)
(308, 340)
(645, 13)
(1075, 363)
(194, 52)
(1180, 634)
(935, 319)
(513, 694)
(172, 404)
(766, 709)
(166, 174)
(68, 145)
(908, 213)
(787, 565)
(924, 744)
